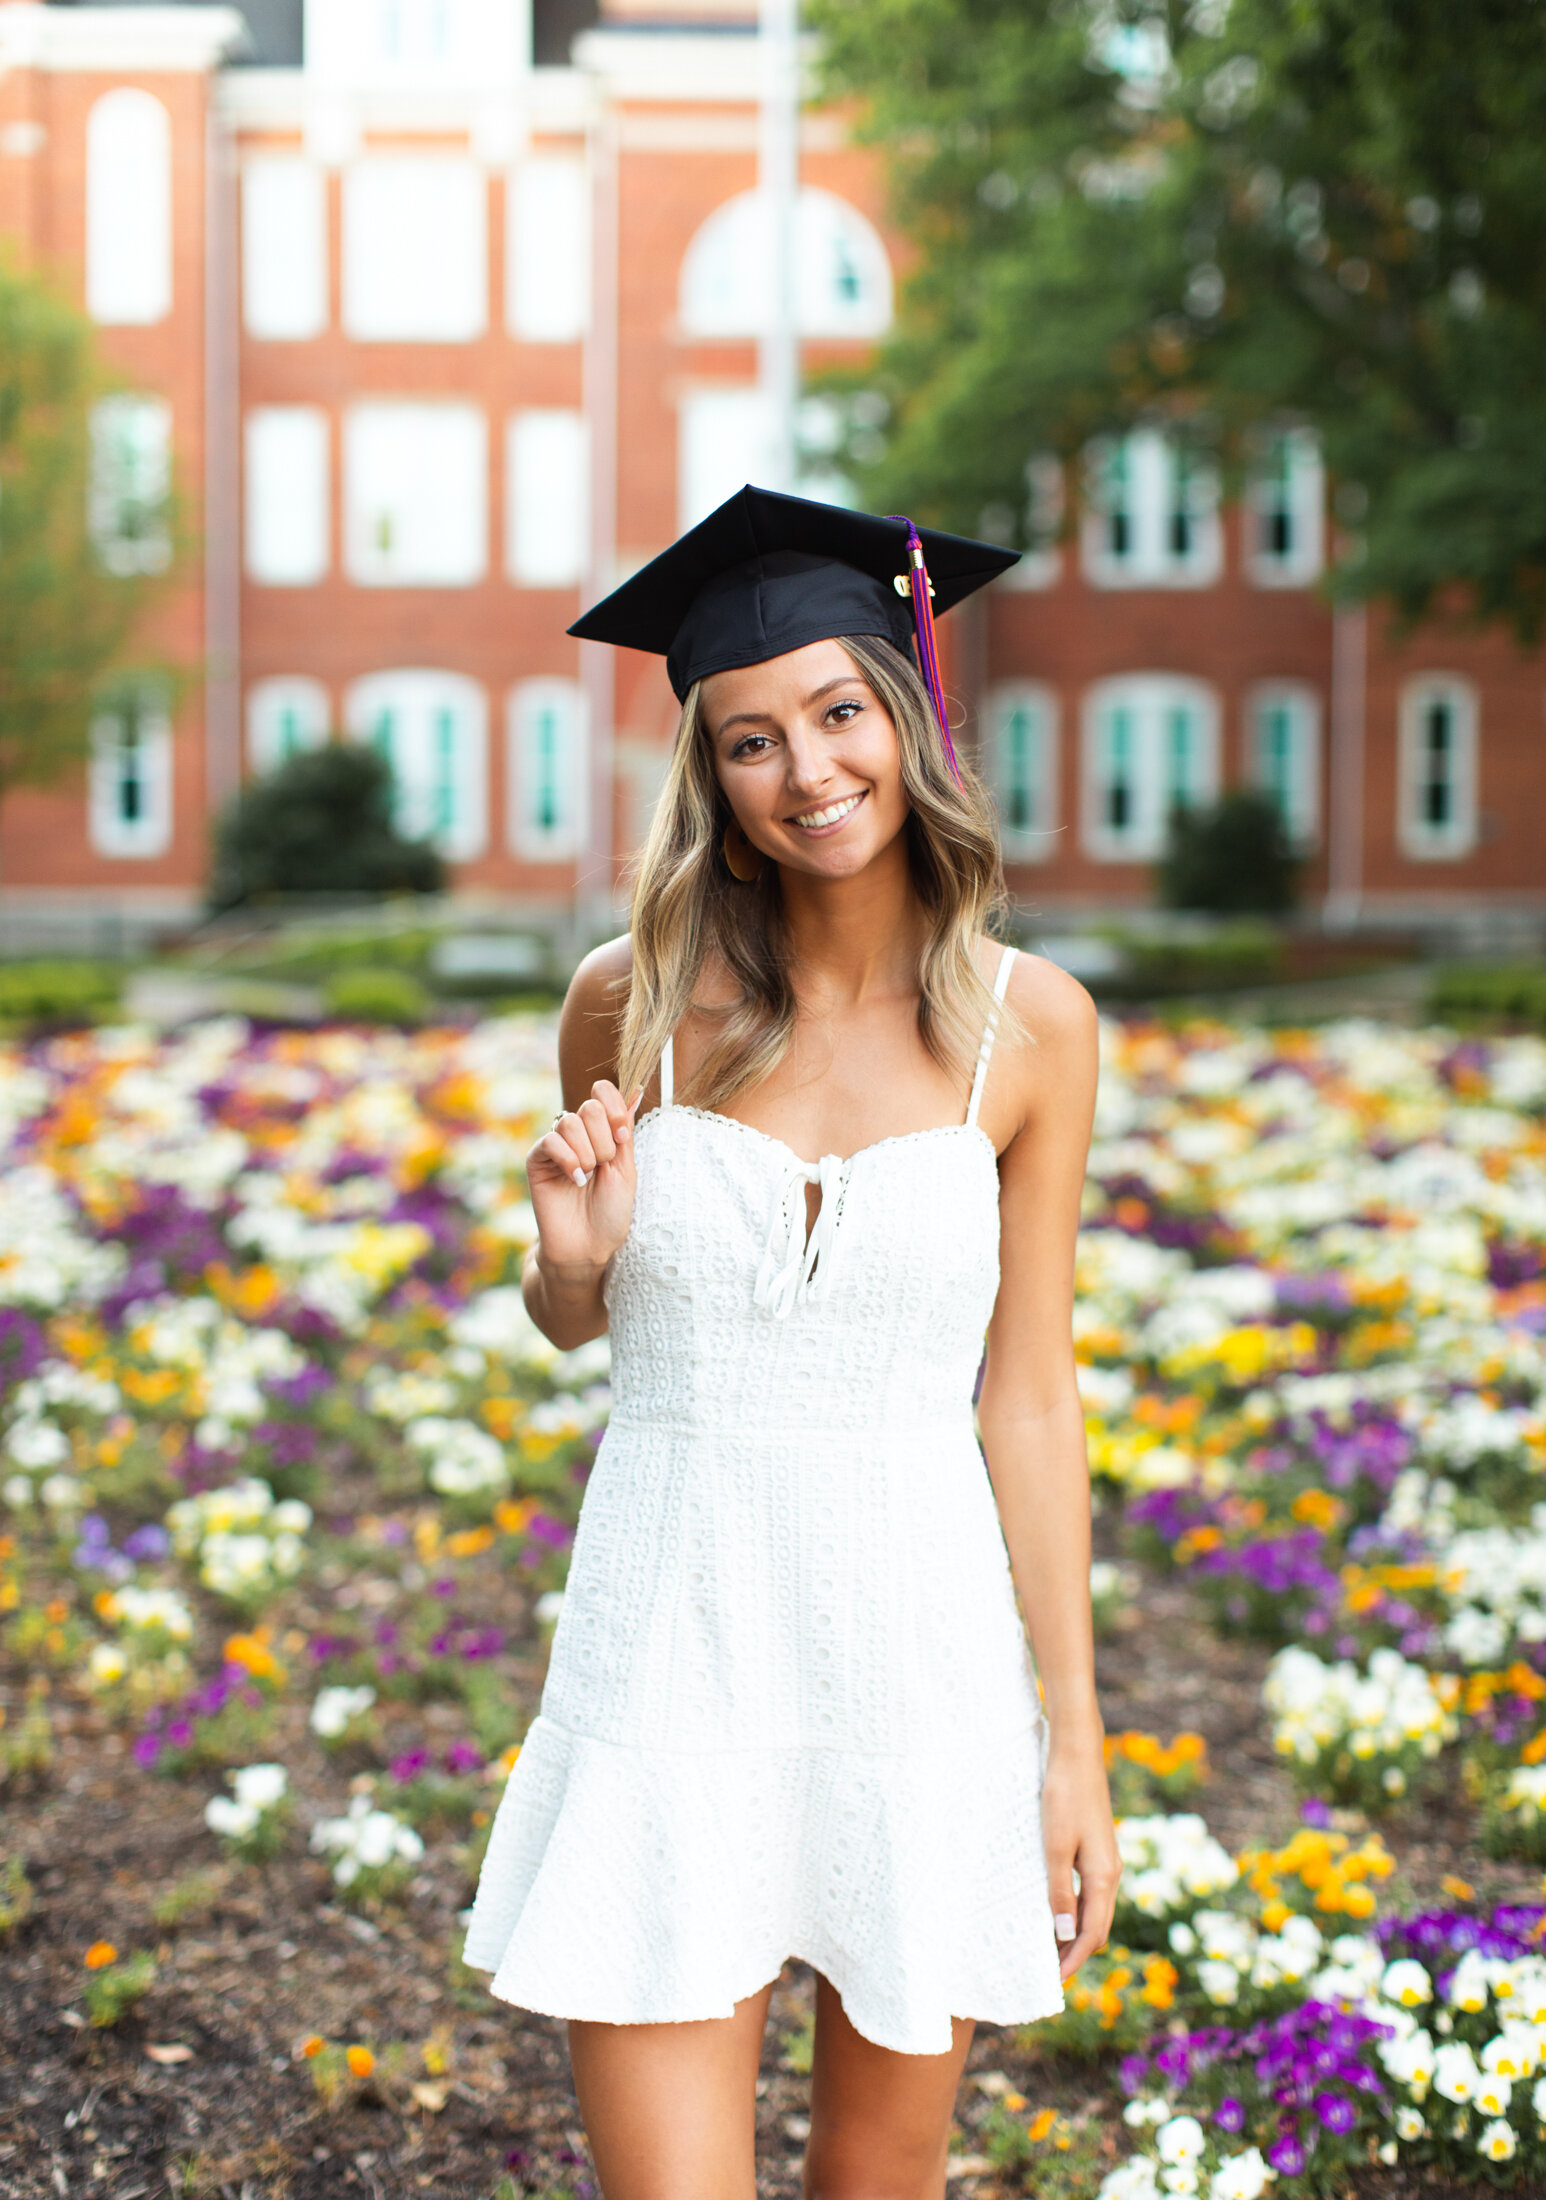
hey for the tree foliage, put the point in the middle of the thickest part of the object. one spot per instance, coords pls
(1216, 214)
(320, 824)
(1232, 858)
(65, 622)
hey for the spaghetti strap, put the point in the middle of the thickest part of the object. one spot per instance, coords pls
(667, 1072)
(989, 1033)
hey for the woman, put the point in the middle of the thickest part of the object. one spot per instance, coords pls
(790, 1709)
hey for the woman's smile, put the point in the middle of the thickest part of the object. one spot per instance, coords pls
(828, 819)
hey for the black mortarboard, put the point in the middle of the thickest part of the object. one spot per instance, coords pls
(768, 573)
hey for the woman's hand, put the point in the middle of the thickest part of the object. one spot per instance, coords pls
(1078, 1835)
(581, 1180)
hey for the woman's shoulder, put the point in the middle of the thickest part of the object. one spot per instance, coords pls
(1054, 1024)
(592, 1020)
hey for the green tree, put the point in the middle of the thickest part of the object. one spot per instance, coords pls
(1232, 858)
(66, 619)
(1218, 214)
(320, 824)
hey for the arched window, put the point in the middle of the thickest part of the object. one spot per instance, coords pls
(283, 718)
(842, 273)
(1436, 793)
(1283, 754)
(548, 770)
(129, 795)
(432, 728)
(1020, 723)
(1151, 745)
(128, 209)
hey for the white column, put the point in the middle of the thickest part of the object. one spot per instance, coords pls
(779, 177)
(594, 893)
(1345, 774)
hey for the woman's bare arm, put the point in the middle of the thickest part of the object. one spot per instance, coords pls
(1033, 1433)
(580, 1174)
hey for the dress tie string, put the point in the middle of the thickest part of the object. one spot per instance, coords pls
(796, 1267)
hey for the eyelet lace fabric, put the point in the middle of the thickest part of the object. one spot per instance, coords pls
(790, 1710)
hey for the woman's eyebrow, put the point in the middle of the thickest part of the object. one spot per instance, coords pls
(764, 717)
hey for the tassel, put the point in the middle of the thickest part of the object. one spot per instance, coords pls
(928, 647)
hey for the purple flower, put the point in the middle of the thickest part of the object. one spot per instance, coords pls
(1230, 2114)
(148, 1542)
(147, 1748)
(411, 1763)
(1336, 2111)
(462, 1757)
(1315, 1813)
(1132, 2071)
(1287, 2156)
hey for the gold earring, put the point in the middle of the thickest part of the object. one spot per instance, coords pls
(742, 860)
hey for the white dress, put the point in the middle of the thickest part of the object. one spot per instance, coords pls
(790, 1710)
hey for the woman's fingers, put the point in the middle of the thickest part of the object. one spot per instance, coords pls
(598, 1129)
(1095, 1909)
(556, 1150)
(1065, 1907)
(571, 1128)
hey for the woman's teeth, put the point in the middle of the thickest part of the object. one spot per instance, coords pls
(813, 818)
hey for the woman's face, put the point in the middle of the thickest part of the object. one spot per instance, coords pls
(807, 755)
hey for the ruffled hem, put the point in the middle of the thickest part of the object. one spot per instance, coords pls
(634, 1886)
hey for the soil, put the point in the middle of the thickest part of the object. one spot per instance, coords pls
(269, 1959)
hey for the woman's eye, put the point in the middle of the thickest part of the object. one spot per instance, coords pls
(840, 713)
(750, 746)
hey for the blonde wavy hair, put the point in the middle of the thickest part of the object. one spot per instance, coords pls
(688, 911)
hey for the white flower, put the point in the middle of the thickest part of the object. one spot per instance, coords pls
(1182, 2182)
(547, 1607)
(1497, 2141)
(1407, 1982)
(233, 1819)
(1470, 1987)
(335, 1707)
(1220, 1982)
(1493, 2094)
(1134, 2179)
(1181, 1938)
(1409, 2124)
(1411, 2061)
(1455, 2071)
(1243, 2177)
(261, 1785)
(1180, 2141)
(1513, 2053)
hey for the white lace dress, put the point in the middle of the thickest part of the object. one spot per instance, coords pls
(790, 1710)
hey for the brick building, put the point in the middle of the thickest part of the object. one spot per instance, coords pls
(439, 319)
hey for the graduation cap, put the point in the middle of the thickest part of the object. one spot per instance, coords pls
(767, 573)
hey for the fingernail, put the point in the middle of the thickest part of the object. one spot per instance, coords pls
(579, 1178)
(1064, 1927)
(625, 1130)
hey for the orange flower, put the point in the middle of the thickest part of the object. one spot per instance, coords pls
(1038, 2128)
(99, 1953)
(1461, 1889)
(314, 2045)
(361, 2061)
(1014, 2102)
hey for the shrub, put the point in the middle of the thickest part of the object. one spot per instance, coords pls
(1233, 858)
(376, 997)
(1248, 953)
(321, 824)
(58, 992)
(1490, 992)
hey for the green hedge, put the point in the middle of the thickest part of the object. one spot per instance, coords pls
(376, 997)
(1513, 993)
(58, 992)
(1236, 955)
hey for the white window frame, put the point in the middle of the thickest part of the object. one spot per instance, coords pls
(701, 487)
(569, 836)
(287, 528)
(149, 834)
(1301, 806)
(547, 497)
(368, 563)
(403, 713)
(284, 247)
(1033, 840)
(1161, 479)
(1420, 840)
(1152, 699)
(131, 481)
(725, 293)
(394, 189)
(547, 206)
(285, 716)
(128, 209)
(1289, 479)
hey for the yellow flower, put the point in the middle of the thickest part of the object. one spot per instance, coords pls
(1014, 2102)
(99, 1953)
(361, 2061)
(1037, 2130)
(1461, 1889)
